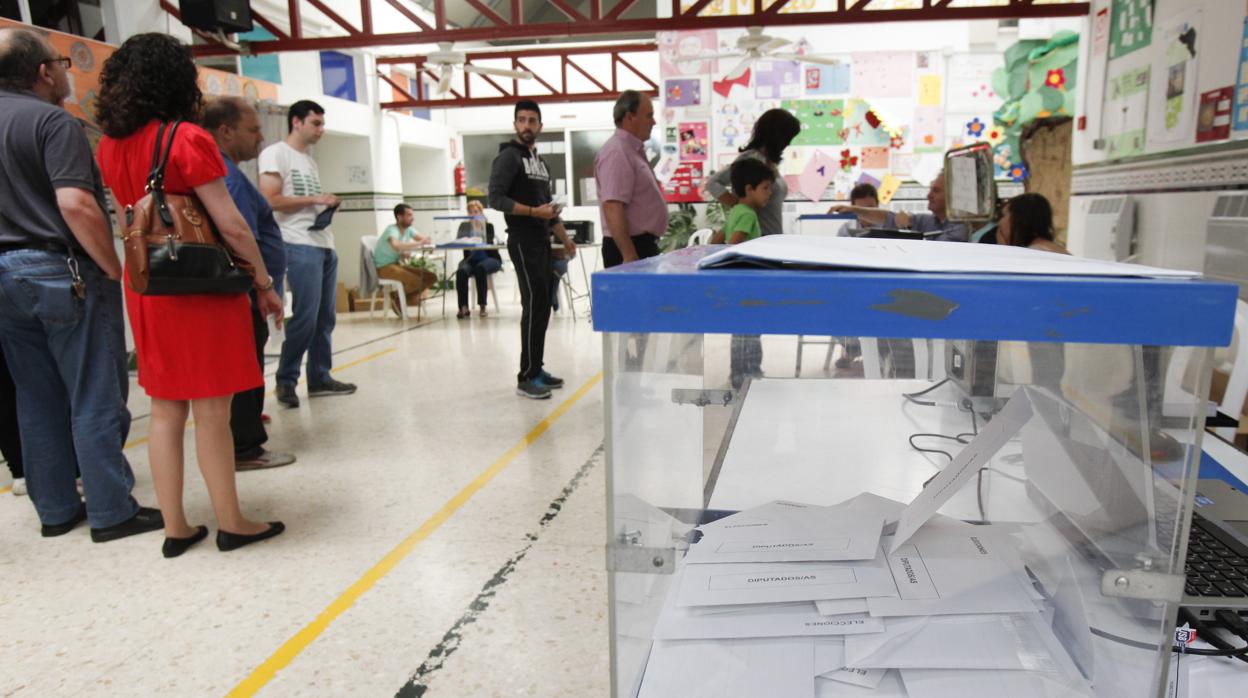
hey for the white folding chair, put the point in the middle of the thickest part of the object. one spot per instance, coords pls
(700, 236)
(371, 285)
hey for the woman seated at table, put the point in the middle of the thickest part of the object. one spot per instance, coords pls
(478, 264)
(1027, 221)
(397, 242)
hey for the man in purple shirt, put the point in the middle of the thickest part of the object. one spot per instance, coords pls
(634, 213)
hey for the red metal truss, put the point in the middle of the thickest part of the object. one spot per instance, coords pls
(604, 17)
(555, 86)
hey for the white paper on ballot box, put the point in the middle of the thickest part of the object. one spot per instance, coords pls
(938, 683)
(770, 620)
(779, 582)
(1016, 642)
(890, 687)
(789, 532)
(730, 669)
(830, 664)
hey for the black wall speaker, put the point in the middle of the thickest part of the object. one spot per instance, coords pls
(209, 15)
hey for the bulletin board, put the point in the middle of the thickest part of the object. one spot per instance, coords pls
(880, 117)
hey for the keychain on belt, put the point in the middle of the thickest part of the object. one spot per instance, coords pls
(80, 286)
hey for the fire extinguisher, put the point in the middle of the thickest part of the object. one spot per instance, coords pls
(461, 178)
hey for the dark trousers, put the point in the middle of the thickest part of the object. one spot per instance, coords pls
(647, 246)
(480, 269)
(530, 253)
(245, 409)
(10, 435)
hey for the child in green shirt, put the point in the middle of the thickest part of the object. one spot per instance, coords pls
(751, 183)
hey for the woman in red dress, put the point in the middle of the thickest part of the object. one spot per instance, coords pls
(194, 351)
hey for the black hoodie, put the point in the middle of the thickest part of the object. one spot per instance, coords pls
(519, 175)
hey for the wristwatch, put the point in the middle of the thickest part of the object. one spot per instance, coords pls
(266, 287)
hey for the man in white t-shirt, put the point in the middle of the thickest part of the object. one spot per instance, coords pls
(291, 183)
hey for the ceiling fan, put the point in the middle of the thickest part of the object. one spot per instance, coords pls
(755, 45)
(445, 60)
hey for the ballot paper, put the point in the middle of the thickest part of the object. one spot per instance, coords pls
(840, 607)
(730, 669)
(788, 532)
(936, 683)
(778, 620)
(969, 461)
(830, 664)
(1016, 642)
(890, 686)
(776, 582)
(944, 571)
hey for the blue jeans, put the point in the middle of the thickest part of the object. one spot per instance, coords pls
(312, 274)
(68, 359)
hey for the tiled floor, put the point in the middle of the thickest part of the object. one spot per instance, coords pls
(491, 602)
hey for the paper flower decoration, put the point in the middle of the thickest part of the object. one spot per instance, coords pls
(897, 141)
(1018, 172)
(995, 135)
(848, 162)
(1056, 79)
(975, 128)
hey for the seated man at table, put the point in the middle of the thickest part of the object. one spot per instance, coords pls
(396, 242)
(935, 222)
(478, 264)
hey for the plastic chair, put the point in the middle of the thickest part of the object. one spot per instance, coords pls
(371, 284)
(489, 280)
(700, 237)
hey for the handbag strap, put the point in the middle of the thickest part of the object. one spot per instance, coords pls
(156, 177)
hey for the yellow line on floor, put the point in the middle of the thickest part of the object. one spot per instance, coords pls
(4, 490)
(293, 647)
(191, 423)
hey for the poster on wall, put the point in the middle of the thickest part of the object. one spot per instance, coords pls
(1213, 117)
(1124, 118)
(1100, 32)
(1240, 116)
(1131, 28)
(822, 120)
(929, 130)
(676, 48)
(1172, 94)
(683, 92)
(820, 169)
(826, 79)
(863, 126)
(682, 186)
(693, 141)
(883, 73)
(777, 79)
(970, 83)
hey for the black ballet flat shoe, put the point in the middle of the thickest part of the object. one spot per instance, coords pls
(227, 541)
(174, 547)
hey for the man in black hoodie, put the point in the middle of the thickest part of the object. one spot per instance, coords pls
(520, 188)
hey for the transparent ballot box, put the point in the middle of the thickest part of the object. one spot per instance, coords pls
(829, 482)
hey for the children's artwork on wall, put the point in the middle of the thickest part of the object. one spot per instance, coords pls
(683, 185)
(901, 164)
(822, 120)
(684, 92)
(888, 188)
(674, 46)
(875, 157)
(883, 73)
(863, 126)
(849, 161)
(1240, 117)
(931, 90)
(929, 130)
(724, 87)
(1131, 28)
(670, 134)
(1213, 119)
(820, 169)
(970, 83)
(826, 79)
(693, 141)
(777, 79)
(1172, 93)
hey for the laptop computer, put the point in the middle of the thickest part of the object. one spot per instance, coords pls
(1119, 506)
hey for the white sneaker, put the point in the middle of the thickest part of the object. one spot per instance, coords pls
(19, 487)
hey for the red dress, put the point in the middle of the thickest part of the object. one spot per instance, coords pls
(189, 347)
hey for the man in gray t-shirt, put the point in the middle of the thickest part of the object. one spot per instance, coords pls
(60, 302)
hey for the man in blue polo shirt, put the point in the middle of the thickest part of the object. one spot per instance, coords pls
(236, 127)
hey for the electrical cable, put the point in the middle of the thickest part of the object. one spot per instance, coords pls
(911, 396)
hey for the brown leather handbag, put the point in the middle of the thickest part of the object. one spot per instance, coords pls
(172, 246)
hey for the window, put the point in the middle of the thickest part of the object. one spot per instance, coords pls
(585, 147)
(80, 17)
(338, 75)
(481, 149)
(265, 66)
(413, 89)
